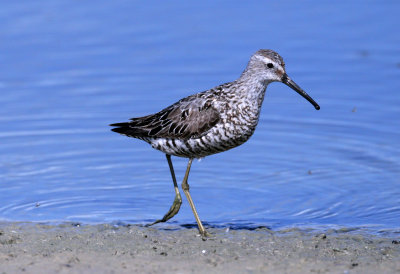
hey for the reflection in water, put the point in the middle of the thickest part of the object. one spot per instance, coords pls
(66, 75)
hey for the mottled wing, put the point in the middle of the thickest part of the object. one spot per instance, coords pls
(191, 117)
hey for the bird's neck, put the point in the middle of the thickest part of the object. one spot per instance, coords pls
(252, 88)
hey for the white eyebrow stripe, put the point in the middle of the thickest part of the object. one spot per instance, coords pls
(265, 59)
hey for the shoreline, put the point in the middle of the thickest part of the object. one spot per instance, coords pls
(106, 248)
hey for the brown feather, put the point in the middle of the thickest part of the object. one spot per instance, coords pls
(191, 117)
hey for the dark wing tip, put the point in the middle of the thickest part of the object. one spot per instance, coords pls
(121, 128)
(128, 130)
(119, 125)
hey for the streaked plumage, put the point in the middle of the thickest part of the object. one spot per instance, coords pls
(215, 120)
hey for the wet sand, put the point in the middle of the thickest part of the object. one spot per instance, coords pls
(72, 248)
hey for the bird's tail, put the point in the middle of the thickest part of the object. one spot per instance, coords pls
(129, 129)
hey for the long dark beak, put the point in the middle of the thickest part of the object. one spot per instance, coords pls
(289, 82)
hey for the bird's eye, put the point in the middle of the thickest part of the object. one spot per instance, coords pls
(270, 65)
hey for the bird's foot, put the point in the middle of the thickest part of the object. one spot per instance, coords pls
(171, 212)
(205, 235)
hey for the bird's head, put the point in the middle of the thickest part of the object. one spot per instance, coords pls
(270, 67)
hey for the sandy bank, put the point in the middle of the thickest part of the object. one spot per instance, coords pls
(68, 248)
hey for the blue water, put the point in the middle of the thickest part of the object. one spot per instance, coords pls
(69, 69)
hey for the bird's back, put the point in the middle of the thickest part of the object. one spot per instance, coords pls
(188, 118)
(194, 127)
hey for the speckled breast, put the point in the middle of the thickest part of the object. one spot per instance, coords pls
(222, 137)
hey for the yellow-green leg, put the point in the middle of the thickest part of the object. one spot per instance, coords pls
(177, 201)
(185, 187)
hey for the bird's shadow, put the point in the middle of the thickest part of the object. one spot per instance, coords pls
(230, 226)
(173, 226)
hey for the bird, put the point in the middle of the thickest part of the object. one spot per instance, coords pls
(211, 121)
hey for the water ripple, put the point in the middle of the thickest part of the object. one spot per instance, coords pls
(63, 82)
